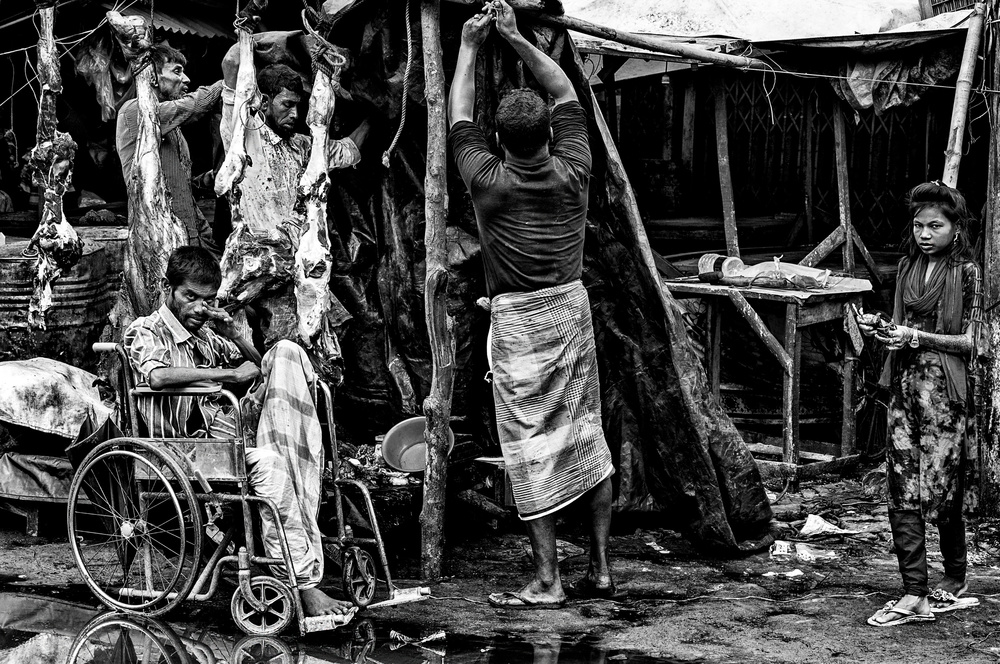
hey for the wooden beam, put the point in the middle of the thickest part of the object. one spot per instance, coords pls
(873, 268)
(725, 172)
(824, 248)
(760, 329)
(960, 107)
(777, 470)
(656, 44)
(843, 188)
(437, 406)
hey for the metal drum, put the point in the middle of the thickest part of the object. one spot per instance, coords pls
(81, 301)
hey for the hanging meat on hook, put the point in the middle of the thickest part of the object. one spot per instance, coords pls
(258, 255)
(313, 263)
(153, 230)
(50, 167)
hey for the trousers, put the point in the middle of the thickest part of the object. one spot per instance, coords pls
(909, 538)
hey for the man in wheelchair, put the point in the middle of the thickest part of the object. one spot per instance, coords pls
(173, 347)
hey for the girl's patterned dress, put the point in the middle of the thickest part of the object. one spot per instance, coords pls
(931, 453)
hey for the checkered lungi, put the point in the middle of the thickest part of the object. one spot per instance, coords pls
(547, 397)
(286, 464)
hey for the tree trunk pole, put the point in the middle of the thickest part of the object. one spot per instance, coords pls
(989, 391)
(437, 406)
(960, 108)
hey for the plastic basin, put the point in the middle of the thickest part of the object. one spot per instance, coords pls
(403, 447)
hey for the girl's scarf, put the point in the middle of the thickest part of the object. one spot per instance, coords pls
(943, 292)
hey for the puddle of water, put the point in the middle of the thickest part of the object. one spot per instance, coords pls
(41, 629)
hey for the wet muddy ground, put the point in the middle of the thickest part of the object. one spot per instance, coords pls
(809, 605)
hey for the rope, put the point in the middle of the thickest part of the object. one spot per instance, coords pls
(406, 88)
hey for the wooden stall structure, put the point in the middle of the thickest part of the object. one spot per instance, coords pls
(801, 130)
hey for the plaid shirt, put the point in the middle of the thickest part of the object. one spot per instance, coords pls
(159, 340)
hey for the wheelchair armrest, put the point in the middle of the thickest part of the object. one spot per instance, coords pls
(191, 391)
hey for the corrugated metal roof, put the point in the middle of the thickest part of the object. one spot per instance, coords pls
(185, 25)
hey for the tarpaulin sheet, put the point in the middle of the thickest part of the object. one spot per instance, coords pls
(49, 396)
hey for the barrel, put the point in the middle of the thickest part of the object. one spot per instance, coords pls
(81, 300)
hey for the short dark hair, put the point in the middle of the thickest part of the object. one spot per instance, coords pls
(193, 264)
(523, 122)
(952, 205)
(273, 78)
(163, 53)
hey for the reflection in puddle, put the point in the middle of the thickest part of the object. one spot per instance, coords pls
(39, 629)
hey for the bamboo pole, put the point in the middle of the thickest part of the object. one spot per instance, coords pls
(960, 108)
(437, 406)
(655, 44)
(988, 403)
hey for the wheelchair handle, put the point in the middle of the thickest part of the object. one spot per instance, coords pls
(105, 347)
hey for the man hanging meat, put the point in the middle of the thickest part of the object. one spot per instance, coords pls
(176, 108)
(276, 157)
(173, 347)
(531, 209)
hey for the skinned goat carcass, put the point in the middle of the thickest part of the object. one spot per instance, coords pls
(258, 255)
(153, 230)
(50, 167)
(313, 263)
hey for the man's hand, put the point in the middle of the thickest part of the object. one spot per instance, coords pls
(222, 322)
(246, 373)
(506, 21)
(476, 29)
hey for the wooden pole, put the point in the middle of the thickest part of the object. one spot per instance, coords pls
(843, 188)
(437, 406)
(655, 44)
(989, 405)
(725, 172)
(960, 108)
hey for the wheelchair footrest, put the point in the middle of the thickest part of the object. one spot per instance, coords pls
(404, 596)
(326, 623)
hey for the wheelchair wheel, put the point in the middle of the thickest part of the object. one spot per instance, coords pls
(114, 637)
(134, 525)
(262, 650)
(359, 576)
(280, 607)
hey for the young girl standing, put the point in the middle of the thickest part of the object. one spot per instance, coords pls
(931, 424)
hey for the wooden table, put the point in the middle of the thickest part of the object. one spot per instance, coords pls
(802, 308)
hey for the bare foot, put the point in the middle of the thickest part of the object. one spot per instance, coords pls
(544, 593)
(916, 603)
(315, 602)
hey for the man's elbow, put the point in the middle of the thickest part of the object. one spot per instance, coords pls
(156, 380)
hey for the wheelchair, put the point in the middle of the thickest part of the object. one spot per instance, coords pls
(152, 522)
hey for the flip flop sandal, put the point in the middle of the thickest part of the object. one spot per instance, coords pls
(517, 601)
(905, 616)
(943, 601)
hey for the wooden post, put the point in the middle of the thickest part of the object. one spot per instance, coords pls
(807, 168)
(437, 406)
(790, 386)
(989, 431)
(667, 89)
(843, 188)
(725, 172)
(687, 130)
(960, 108)
(612, 95)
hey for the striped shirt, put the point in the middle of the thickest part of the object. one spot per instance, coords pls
(159, 340)
(175, 157)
